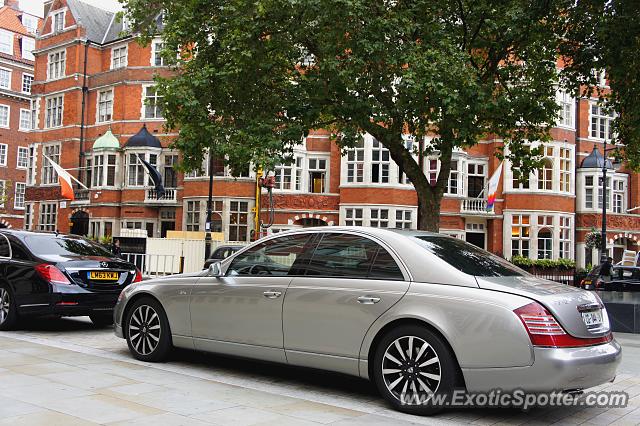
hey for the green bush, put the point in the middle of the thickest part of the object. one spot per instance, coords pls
(525, 262)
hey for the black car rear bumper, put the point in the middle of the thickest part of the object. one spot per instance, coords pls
(71, 300)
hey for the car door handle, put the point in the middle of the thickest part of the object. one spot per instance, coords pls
(272, 294)
(368, 300)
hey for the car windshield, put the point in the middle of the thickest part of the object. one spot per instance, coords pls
(46, 245)
(468, 258)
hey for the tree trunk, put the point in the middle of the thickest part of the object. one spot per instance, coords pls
(428, 207)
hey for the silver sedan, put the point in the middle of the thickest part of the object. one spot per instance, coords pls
(420, 314)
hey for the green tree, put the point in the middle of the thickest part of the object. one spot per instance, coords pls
(255, 76)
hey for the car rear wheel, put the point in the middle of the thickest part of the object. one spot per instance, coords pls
(102, 320)
(413, 365)
(8, 309)
(147, 331)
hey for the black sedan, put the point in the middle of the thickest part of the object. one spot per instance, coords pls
(623, 278)
(221, 253)
(53, 274)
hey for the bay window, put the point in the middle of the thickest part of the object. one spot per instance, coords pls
(355, 163)
(103, 170)
(317, 175)
(379, 218)
(380, 161)
(353, 217)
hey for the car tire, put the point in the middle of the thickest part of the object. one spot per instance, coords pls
(102, 320)
(398, 375)
(8, 309)
(152, 342)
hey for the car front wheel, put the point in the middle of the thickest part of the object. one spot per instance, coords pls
(147, 331)
(8, 309)
(413, 366)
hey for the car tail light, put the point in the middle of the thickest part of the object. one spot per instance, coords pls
(138, 276)
(51, 274)
(544, 330)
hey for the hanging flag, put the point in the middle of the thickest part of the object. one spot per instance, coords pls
(155, 177)
(493, 187)
(64, 179)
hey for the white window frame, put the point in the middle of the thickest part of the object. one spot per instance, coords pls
(521, 237)
(379, 217)
(565, 246)
(193, 215)
(239, 225)
(120, 61)
(10, 37)
(383, 163)
(596, 113)
(28, 216)
(26, 76)
(293, 172)
(19, 195)
(106, 115)
(30, 22)
(354, 216)
(24, 112)
(56, 64)
(4, 153)
(31, 168)
(317, 159)
(28, 54)
(567, 104)
(8, 123)
(143, 110)
(355, 160)
(51, 121)
(49, 175)
(25, 156)
(58, 16)
(155, 54)
(48, 211)
(9, 73)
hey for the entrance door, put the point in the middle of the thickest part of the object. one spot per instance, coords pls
(166, 226)
(80, 223)
(475, 238)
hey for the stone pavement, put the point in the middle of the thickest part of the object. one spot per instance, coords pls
(66, 372)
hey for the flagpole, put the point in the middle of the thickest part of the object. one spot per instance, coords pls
(70, 175)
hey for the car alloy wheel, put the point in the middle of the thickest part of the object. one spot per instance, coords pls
(5, 305)
(411, 370)
(145, 330)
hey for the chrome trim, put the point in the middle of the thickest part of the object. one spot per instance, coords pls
(34, 304)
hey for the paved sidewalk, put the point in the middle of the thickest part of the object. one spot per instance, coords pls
(66, 372)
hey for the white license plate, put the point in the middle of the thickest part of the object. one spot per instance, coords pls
(592, 318)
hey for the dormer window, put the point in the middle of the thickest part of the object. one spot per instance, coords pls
(30, 23)
(57, 21)
(6, 42)
(28, 46)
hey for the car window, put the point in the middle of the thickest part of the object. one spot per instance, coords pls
(17, 252)
(595, 271)
(49, 244)
(5, 252)
(467, 257)
(346, 255)
(273, 257)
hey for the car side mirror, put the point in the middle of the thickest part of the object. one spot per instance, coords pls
(215, 269)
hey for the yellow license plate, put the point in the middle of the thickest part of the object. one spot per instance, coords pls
(107, 276)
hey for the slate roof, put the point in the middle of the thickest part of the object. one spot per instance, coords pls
(595, 160)
(143, 139)
(94, 20)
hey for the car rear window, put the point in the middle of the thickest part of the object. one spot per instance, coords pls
(468, 258)
(43, 245)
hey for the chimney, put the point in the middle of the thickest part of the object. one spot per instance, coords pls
(13, 4)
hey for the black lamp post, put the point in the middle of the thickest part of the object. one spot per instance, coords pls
(603, 245)
(207, 225)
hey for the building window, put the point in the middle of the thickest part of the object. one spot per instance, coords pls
(600, 193)
(152, 103)
(157, 58)
(379, 218)
(48, 216)
(18, 199)
(53, 112)
(403, 219)
(170, 175)
(475, 179)
(454, 176)
(288, 176)
(238, 221)
(601, 123)
(193, 216)
(30, 23)
(118, 57)
(355, 163)
(23, 157)
(4, 116)
(98, 161)
(3, 192)
(379, 163)
(618, 196)
(31, 171)
(28, 46)
(588, 192)
(566, 104)
(28, 217)
(520, 236)
(545, 175)
(25, 120)
(58, 22)
(27, 82)
(431, 171)
(317, 175)
(565, 237)
(5, 78)
(353, 217)
(3, 154)
(105, 105)
(136, 170)
(49, 175)
(565, 170)
(545, 243)
(57, 61)
(6, 42)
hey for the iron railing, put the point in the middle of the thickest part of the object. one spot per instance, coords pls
(156, 265)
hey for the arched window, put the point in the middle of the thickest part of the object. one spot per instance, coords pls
(545, 243)
(545, 175)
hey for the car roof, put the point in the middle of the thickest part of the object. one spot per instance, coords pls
(20, 233)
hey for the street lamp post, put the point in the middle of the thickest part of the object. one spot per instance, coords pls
(603, 244)
(207, 225)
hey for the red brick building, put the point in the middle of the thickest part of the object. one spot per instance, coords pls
(17, 42)
(547, 217)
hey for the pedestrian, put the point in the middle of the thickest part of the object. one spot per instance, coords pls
(605, 269)
(115, 248)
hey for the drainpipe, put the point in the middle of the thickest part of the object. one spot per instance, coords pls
(85, 91)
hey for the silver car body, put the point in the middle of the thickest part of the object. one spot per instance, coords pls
(327, 323)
